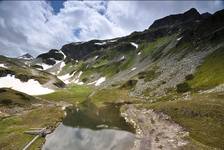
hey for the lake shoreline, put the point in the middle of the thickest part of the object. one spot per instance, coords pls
(154, 130)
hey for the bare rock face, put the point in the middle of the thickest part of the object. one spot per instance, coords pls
(81, 50)
(52, 56)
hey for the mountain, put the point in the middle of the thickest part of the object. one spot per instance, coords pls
(169, 76)
(159, 58)
(17, 74)
(26, 56)
(176, 66)
(188, 16)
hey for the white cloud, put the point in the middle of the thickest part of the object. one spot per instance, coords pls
(32, 26)
(139, 15)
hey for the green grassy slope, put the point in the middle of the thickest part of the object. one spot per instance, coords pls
(73, 94)
(112, 95)
(211, 72)
(17, 114)
(202, 116)
(12, 128)
(151, 47)
(10, 98)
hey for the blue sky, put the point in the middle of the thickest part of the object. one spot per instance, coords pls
(57, 5)
(38, 26)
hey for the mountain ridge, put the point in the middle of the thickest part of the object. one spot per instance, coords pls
(187, 18)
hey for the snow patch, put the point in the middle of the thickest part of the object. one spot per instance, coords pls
(179, 38)
(61, 66)
(52, 59)
(133, 69)
(122, 58)
(45, 66)
(96, 57)
(103, 43)
(3, 66)
(31, 87)
(98, 82)
(63, 54)
(65, 78)
(76, 80)
(134, 44)
(79, 83)
(112, 41)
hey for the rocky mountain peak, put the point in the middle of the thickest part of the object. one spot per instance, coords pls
(175, 19)
(192, 12)
(206, 15)
(26, 56)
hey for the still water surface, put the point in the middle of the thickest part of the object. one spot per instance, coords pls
(87, 127)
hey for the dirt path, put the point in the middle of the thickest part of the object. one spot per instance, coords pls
(154, 130)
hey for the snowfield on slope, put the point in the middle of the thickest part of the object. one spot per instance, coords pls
(132, 69)
(179, 38)
(65, 78)
(45, 66)
(122, 58)
(62, 64)
(98, 82)
(3, 66)
(32, 87)
(56, 68)
(77, 78)
(134, 44)
(96, 57)
(103, 43)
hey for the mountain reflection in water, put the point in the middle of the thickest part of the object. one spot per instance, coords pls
(88, 127)
(68, 138)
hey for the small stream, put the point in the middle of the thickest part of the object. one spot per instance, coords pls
(87, 127)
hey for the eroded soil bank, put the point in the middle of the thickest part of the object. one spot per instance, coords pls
(154, 130)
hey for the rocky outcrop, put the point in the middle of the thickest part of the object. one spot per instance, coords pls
(52, 56)
(81, 50)
(26, 56)
(5, 72)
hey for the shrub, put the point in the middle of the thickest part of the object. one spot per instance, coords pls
(37, 66)
(22, 77)
(2, 90)
(183, 87)
(148, 75)
(141, 75)
(189, 77)
(84, 80)
(163, 82)
(6, 102)
(129, 84)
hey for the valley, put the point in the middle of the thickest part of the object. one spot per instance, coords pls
(162, 88)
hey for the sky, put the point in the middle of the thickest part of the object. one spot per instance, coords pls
(37, 26)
